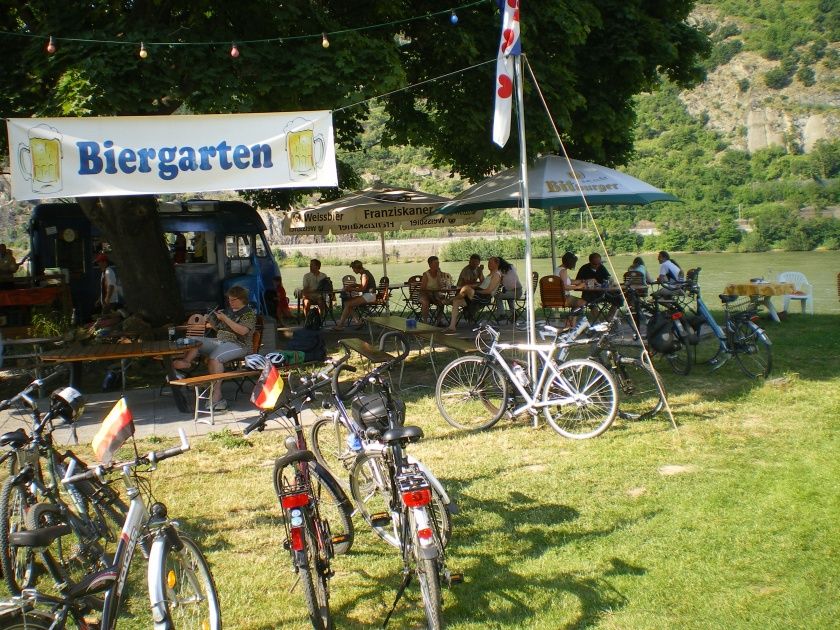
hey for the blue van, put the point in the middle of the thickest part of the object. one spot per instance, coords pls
(216, 244)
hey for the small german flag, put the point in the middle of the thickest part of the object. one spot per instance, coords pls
(268, 389)
(116, 428)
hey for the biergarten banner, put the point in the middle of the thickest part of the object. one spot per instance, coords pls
(131, 155)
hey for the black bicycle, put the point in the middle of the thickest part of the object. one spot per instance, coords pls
(32, 495)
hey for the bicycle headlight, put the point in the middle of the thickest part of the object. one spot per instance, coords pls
(68, 404)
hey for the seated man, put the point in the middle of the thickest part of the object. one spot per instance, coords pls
(234, 332)
(313, 288)
(363, 292)
(480, 295)
(595, 274)
(473, 274)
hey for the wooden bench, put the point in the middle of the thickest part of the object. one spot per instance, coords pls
(371, 353)
(205, 386)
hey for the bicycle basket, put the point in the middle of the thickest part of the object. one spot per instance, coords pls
(745, 305)
(371, 410)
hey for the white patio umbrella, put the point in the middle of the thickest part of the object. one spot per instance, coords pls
(552, 185)
(375, 210)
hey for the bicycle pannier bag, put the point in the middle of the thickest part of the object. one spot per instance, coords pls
(660, 333)
(370, 410)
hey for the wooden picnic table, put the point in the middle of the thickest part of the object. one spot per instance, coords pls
(761, 292)
(418, 332)
(76, 353)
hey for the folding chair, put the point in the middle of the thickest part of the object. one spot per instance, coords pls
(552, 296)
(378, 306)
(413, 302)
(522, 303)
(475, 311)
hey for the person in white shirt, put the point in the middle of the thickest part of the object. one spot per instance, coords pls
(511, 288)
(110, 295)
(669, 271)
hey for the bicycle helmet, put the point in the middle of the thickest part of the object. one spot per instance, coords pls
(277, 359)
(67, 404)
(255, 361)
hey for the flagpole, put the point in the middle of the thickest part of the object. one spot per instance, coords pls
(526, 208)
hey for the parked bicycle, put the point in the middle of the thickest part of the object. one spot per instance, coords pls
(397, 498)
(312, 502)
(342, 436)
(739, 337)
(181, 589)
(32, 494)
(578, 398)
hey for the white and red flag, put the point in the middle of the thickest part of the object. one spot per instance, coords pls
(509, 47)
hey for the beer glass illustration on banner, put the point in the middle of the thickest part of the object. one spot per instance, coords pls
(305, 149)
(40, 160)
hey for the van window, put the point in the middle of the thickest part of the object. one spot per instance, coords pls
(187, 247)
(261, 249)
(238, 245)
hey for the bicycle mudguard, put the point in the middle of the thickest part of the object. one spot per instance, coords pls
(451, 507)
(157, 598)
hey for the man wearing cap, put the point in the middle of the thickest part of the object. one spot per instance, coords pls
(109, 294)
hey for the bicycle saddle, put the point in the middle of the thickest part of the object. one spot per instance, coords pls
(41, 537)
(728, 298)
(412, 434)
(15, 439)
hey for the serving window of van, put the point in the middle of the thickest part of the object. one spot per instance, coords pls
(188, 247)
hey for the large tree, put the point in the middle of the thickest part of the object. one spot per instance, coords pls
(589, 58)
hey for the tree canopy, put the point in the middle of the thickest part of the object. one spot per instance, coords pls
(590, 57)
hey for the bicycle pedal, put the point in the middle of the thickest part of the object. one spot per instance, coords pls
(341, 538)
(380, 519)
(455, 578)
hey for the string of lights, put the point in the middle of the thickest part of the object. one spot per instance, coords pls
(53, 42)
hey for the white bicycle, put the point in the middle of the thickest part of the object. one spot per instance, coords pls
(182, 593)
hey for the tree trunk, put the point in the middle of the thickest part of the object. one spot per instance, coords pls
(145, 270)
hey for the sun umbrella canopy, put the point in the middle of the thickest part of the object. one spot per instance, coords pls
(552, 185)
(374, 210)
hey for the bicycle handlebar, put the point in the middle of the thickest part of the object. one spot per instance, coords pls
(99, 471)
(25, 394)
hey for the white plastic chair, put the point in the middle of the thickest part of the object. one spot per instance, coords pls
(804, 290)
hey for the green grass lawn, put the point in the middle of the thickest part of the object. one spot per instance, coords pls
(728, 522)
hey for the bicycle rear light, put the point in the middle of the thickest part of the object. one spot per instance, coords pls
(296, 538)
(417, 498)
(291, 501)
(425, 534)
(676, 315)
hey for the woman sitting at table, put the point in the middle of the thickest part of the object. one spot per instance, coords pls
(567, 263)
(511, 288)
(362, 293)
(482, 294)
(433, 281)
(234, 332)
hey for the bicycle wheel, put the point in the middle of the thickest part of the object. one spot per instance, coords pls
(313, 567)
(190, 594)
(26, 621)
(18, 562)
(707, 351)
(429, 578)
(371, 488)
(639, 396)
(333, 505)
(752, 349)
(329, 443)
(583, 399)
(682, 358)
(471, 393)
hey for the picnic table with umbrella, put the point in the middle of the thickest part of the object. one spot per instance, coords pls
(377, 209)
(551, 184)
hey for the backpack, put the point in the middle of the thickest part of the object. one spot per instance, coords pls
(310, 342)
(313, 319)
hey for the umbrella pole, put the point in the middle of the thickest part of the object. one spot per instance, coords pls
(553, 245)
(384, 256)
(526, 206)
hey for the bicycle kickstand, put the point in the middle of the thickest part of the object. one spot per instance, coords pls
(404, 585)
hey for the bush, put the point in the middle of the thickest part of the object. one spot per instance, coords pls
(777, 78)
